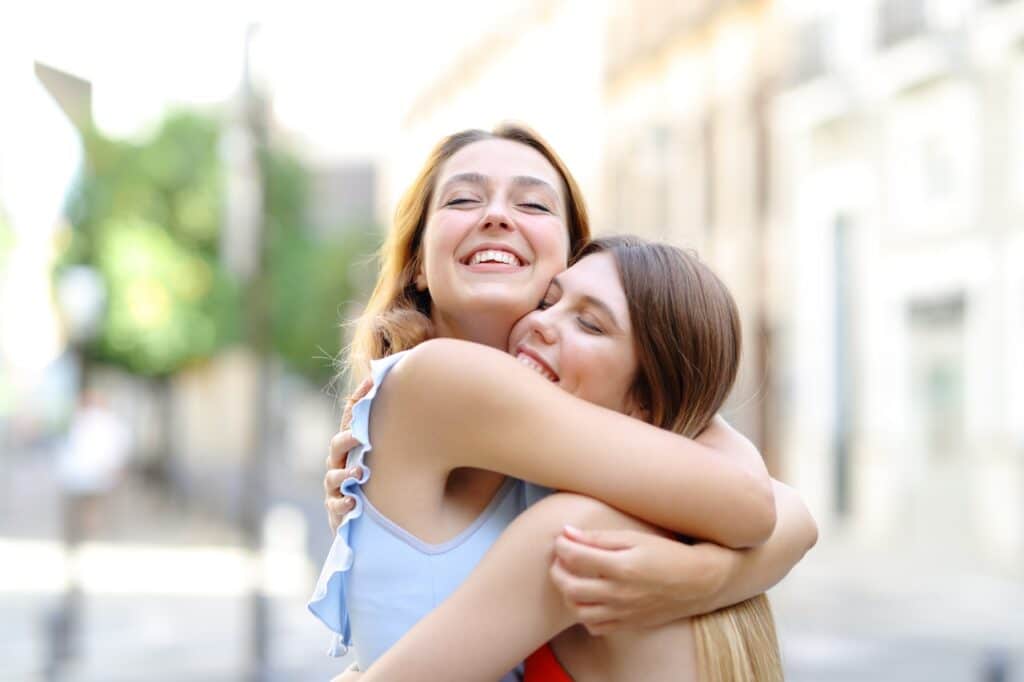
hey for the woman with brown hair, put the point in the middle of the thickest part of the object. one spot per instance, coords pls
(645, 328)
(488, 223)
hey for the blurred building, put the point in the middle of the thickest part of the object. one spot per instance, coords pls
(896, 231)
(853, 172)
(686, 154)
(342, 194)
(538, 63)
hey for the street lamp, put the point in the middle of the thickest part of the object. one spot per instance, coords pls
(81, 297)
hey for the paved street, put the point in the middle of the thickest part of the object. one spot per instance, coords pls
(178, 610)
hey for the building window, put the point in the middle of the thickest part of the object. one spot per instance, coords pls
(899, 20)
(934, 158)
(808, 59)
(937, 374)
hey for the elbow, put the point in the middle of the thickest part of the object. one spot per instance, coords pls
(757, 521)
(810, 533)
(812, 536)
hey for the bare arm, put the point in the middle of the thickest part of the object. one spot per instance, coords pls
(504, 625)
(463, 405)
(647, 580)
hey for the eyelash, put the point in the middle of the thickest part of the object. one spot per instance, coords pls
(537, 207)
(588, 327)
(462, 200)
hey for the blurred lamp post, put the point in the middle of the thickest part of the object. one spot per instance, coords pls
(243, 248)
(81, 297)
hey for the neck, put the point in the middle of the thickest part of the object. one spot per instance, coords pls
(484, 329)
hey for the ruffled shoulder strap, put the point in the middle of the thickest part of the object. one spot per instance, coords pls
(328, 602)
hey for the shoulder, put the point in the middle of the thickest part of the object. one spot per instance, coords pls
(447, 362)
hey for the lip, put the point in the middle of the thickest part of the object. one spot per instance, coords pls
(533, 355)
(493, 246)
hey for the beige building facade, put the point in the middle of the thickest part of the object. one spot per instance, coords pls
(854, 171)
(897, 241)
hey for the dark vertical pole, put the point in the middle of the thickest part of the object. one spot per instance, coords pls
(763, 434)
(843, 373)
(254, 492)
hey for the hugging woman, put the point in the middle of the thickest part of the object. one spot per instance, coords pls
(480, 241)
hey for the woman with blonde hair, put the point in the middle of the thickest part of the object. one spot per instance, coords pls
(662, 335)
(488, 224)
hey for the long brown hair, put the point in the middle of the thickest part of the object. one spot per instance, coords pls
(686, 332)
(397, 315)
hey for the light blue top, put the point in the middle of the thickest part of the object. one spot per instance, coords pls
(378, 579)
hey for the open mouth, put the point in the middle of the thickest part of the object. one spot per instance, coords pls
(494, 256)
(537, 364)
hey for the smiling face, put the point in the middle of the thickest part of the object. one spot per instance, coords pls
(581, 335)
(495, 236)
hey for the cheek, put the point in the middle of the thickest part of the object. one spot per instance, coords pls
(550, 243)
(603, 377)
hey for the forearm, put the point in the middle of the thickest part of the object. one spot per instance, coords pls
(750, 572)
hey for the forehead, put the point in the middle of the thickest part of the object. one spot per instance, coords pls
(500, 159)
(597, 275)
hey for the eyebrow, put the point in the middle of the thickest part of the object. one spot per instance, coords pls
(595, 302)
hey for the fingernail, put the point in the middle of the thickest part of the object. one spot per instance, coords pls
(348, 502)
(572, 530)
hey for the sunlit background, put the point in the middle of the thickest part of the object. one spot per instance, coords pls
(190, 193)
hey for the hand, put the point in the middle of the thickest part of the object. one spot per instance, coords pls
(337, 458)
(625, 579)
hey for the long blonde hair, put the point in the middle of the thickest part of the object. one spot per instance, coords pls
(397, 315)
(686, 331)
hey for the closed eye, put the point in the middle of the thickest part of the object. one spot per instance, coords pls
(536, 207)
(459, 201)
(589, 327)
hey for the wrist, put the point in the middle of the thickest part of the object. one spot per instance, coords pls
(717, 566)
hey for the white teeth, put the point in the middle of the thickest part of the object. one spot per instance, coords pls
(494, 256)
(537, 367)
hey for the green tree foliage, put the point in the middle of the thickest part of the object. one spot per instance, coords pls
(148, 217)
(311, 277)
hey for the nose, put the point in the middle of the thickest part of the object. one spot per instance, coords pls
(497, 215)
(542, 326)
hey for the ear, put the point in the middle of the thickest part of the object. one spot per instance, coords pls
(638, 411)
(421, 280)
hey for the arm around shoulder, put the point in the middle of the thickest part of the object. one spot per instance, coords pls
(470, 406)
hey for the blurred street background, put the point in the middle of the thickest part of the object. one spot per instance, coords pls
(190, 198)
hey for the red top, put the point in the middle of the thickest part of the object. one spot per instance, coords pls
(542, 666)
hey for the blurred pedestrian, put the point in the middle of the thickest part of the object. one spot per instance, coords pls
(90, 465)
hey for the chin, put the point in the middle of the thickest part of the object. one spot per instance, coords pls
(501, 298)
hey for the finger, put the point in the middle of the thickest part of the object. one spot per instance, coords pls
(576, 590)
(603, 628)
(341, 443)
(363, 389)
(586, 561)
(346, 414)
(594, 615)
(357, 395)
(603, 539)
(339, 506)
(333, 479)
